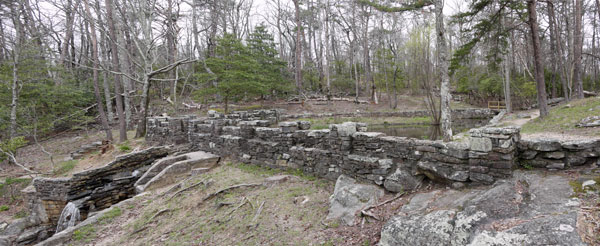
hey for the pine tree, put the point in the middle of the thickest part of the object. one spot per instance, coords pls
(271, 71)
(238, 72)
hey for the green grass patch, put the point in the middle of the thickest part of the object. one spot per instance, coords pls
(577, 186)
(65, 167)
(110, 215)
(20, 214)
(563, 118)
(4, 208)
(124, 147)
(255, 169)
(86, 233)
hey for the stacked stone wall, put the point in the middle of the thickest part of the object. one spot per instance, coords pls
(349, 149)
(94, 189)
(556, 154)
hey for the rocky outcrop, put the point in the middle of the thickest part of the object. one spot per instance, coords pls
(529, 209)
(349, 197)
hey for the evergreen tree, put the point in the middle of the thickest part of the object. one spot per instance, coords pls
(238, 73)
(262, 47)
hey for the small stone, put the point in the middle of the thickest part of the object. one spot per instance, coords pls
(528, 154)
(554, 155)
(556, 165)
(458, 185)
(588, 183)
(275, 180)
(565, 227)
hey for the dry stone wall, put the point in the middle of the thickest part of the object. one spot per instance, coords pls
(94, 189)
(555, 154)
(397, 163)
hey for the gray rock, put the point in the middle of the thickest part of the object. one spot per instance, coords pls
(588, 183)
(402, 180)
(441, 173)
(486, 216)
(575, 160)
(545, 145)
(528, 154)
(554, 155)
(480, 144)
(556, 165)
(303, 125)
(349, 197)
(16, 227)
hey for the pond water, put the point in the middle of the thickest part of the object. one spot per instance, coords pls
(431, 132)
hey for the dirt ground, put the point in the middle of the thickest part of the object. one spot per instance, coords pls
(289, 213)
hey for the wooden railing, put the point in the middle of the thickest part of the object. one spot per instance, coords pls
(496, 105)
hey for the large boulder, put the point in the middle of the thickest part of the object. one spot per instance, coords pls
(349, 197)
(529, 209)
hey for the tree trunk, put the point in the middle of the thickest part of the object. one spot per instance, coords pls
(446, 116)
(367, 58)
(559, 47)
(553, 49)
(537, 55)
(15, 72)
(145, 99)
(327, 49)
(298, 64)
(578, 45)
(94, 40)
(116, 67)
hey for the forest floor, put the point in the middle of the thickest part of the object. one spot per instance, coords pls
(291, 212)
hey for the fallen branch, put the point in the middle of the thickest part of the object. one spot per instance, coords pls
(244, 201)
(229, 188)
(188, 188)
(14, 160)
(254, 224)
(140, 229)
(383, 203)
(369, 214)
(159, 213)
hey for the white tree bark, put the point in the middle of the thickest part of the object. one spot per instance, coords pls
(446, 116)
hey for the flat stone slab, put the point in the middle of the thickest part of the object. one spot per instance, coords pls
(167, 170)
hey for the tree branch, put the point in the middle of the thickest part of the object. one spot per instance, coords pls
(415, 5)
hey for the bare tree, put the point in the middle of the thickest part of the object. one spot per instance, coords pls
(577, 47)
(299, 31)
(537, 55)
(116, 67)
(96, 59)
